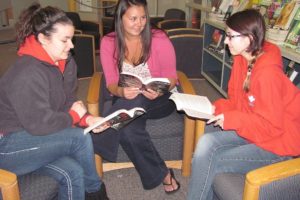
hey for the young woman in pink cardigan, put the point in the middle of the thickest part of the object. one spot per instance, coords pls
(135, 47)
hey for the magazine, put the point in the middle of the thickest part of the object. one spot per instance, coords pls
(117, 119)
(193, 105)
(160, 85)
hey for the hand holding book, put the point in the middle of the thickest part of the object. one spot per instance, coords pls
(193, 105)
(116, 120)
(160, 85)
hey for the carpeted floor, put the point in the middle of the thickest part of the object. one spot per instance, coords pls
(125, 184)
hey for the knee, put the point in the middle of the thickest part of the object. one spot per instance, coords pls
(78, 136)
(67, 171)
(208, 143)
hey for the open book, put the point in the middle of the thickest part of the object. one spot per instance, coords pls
(118, 119)
(193, 105)
(160, 85)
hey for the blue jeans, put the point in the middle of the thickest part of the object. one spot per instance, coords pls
(67, 156)
(223, 151)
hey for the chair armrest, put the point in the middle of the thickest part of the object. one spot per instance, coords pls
(264, 175)
(9, 185)
(191, 127)
(77, 31)
(90, 26)
(94, 94)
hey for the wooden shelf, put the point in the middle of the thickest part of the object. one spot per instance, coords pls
(198, 6)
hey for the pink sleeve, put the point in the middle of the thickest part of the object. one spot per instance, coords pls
(163, 55)
(108, 62)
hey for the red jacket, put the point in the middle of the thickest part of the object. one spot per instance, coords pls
(269, 114)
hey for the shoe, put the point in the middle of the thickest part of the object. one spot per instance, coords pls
(99, 195)
(172, 177)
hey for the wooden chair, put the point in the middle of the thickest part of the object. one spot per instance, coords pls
(161, 135)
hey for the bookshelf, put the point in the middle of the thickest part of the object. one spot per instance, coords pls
(216, 65)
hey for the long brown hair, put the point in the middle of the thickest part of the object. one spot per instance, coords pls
(146, 35)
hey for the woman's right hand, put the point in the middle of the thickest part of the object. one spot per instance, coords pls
(130, 92)
(79, 108)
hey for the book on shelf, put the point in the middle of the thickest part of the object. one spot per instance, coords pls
(287, 14)
(290, 71)
(293, 38)
(117, 119)
(216, 42)
(193, 105)
(128, 79)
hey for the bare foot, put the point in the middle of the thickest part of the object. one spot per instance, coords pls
(170, 183)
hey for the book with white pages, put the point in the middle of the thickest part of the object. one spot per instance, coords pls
(193, 105)
(117, 119)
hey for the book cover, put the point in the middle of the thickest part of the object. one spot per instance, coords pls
(286, 15)
(160, 85)
(117, 119)
(293, 38)
(193, 105)
(290, 71)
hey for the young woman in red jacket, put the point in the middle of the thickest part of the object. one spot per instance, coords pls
(260, 120)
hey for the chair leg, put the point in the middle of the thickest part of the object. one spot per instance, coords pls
(99, 165)
(188, 146)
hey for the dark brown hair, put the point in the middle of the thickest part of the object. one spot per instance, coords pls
(35, 20)
(249, 23)
(121, 8)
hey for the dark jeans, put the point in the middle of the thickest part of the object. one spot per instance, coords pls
(135, 140)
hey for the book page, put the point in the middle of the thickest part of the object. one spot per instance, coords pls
(129, 80)
(160, 85)
(194, 105)
(117, 119)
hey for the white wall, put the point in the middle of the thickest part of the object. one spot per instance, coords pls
(62, 4)
(19, 5)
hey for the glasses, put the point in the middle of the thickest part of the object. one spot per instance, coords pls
(232, 36)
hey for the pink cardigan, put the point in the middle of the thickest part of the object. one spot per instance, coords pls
(161, 63)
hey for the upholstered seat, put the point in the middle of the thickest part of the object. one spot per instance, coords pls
(31, 186)
(277, 181)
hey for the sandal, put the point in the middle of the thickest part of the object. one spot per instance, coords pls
(172, 176)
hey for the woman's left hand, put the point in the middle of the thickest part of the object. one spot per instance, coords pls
(92, 120)
(150, 94)
(218, 120)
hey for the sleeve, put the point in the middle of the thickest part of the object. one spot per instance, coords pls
(70, 84)
(108, 61)
(165, 53)
(264, 120)
(29, 96)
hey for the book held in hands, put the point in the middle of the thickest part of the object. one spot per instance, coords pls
(160, 85)
(117, 119)
(193, 105)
